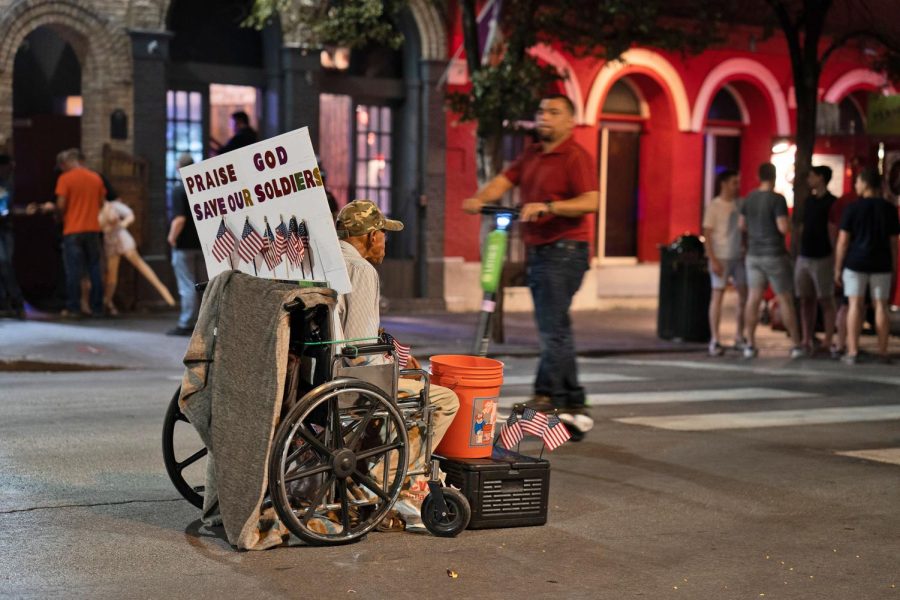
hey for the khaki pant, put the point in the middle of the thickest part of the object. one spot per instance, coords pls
(446, 405)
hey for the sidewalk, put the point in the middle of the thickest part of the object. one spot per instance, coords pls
(139, 341)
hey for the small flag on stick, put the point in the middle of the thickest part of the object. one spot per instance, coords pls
(270, 254)
(556, 434)
(534, 422)
(224, 244)
(281, 236)
(304, 235)
(290, 241)
(512, 432)
(401, 350)
(251, 243)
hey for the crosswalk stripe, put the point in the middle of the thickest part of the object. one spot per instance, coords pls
(610, 399)
(769, 418)
(811, 370)
(582, 378)
(885, 455)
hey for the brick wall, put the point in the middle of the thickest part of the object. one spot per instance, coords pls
(96, 30)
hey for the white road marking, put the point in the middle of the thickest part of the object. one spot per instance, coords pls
(582, 378)
(885, 455)
(834, 371)
(769, 418)
(612, 399)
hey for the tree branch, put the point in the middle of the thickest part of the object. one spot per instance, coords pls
(842, 40)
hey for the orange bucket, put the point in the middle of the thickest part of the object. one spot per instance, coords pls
(477, 382)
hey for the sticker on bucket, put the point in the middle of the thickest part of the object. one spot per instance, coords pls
(484, 416)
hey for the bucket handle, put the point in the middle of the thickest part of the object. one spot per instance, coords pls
(451, 381)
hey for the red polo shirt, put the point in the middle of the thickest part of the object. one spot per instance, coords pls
(561, 174)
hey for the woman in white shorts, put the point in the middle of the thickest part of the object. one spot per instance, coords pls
(115, 217)
(866, 257)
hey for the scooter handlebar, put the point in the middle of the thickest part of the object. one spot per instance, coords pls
(493, 209)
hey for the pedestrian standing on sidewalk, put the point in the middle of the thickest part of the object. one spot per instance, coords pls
(79, 198)
(558, 190)
(724, 248)
(813, 273)
(764, 216)
(866, 257)
(187, 260)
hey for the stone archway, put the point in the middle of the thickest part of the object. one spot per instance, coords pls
(104, 51)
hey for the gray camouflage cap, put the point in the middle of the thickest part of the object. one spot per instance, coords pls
(363, 216)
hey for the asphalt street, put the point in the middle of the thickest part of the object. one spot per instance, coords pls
(704, 478)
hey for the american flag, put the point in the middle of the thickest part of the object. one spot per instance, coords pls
(304, 234)
(290, 242)
(556, 434)
(512, 433)
(224, 244)
(295, 240)
(401, 350)
(281, 238)
(251, 243)
(272, 258)
(534, 422)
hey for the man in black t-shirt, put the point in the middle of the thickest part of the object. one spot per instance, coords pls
(813, 272)
(187, 260)
(866, 257)
(244, 135)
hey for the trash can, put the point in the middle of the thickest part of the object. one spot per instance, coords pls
(684, 291)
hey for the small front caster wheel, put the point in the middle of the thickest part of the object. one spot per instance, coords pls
(451, 523)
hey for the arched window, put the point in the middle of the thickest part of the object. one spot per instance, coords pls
(851, 121)
(724, 108)
(621, 100)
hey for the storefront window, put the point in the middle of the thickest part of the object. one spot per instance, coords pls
(373, 162)
(184, 132)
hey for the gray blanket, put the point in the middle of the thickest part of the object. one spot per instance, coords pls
(232, 393)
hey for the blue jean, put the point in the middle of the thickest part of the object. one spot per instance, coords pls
(555, 272)
(10, 294)
(185, 263)
(81, 252)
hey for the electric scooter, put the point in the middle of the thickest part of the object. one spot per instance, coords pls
(492, 258)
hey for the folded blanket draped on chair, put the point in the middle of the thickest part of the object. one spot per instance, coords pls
(232, 391)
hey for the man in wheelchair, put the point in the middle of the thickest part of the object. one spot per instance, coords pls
(361, 228)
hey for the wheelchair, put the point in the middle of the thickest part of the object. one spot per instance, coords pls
(340, 452)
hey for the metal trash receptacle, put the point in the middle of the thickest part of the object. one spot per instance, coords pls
(684, 291)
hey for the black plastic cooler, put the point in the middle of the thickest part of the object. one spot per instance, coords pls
(506, 490)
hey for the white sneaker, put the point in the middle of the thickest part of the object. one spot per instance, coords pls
(750, 351)
(581, 422)
(716, 349)
(798, 352)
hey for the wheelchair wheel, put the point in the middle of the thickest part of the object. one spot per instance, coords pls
(454, 521)
(180, 471)
(329, 471)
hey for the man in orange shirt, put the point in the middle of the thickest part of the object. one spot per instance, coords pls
(79, 198)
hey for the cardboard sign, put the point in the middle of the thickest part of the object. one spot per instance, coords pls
(262, 210)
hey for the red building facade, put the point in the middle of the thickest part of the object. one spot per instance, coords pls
(659, 125)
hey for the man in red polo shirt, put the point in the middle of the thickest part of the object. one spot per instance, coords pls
(558, 188)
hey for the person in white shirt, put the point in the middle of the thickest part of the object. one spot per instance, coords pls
(725, 251)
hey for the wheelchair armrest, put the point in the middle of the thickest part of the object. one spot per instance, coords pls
(354, 351)
(415, 373)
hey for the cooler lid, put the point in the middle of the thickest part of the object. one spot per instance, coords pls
(501, 459)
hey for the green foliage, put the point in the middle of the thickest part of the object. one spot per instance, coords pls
(503, 94)
(509, 91)
(349, 23)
